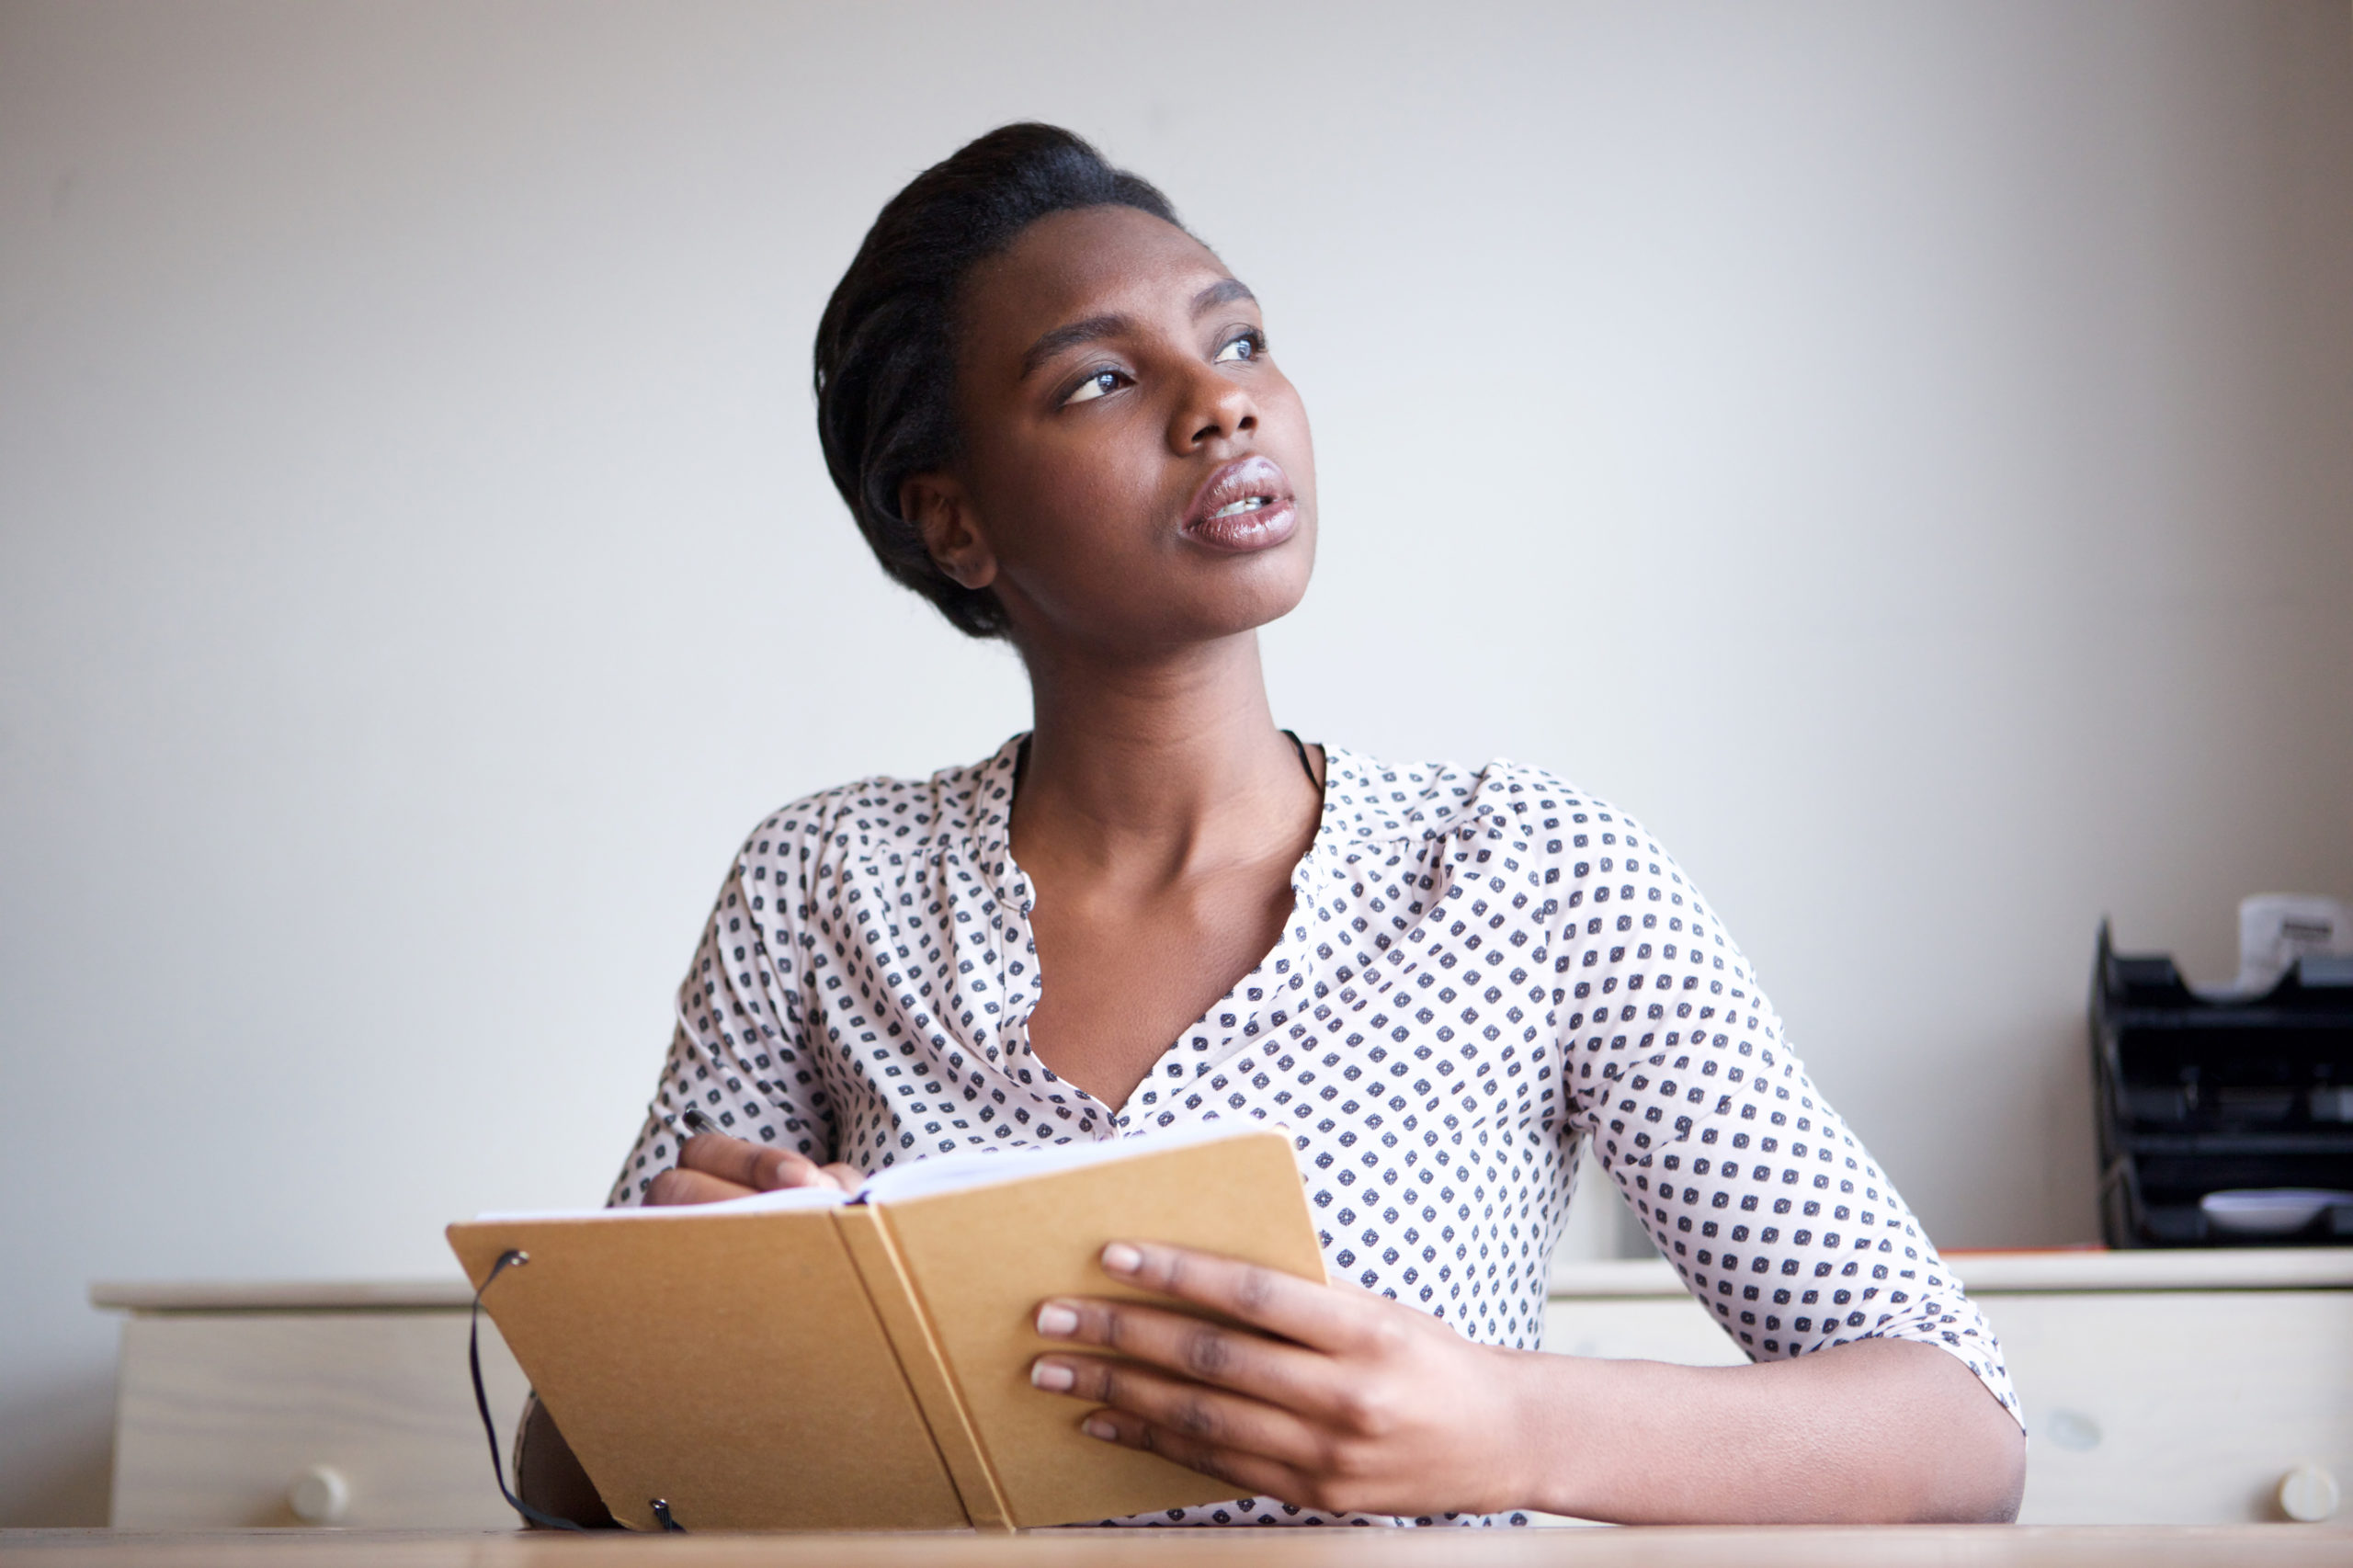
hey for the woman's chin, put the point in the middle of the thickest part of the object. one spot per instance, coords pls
(1250, 591)
(1161, 603)
(1178, 620)
(1241, 613)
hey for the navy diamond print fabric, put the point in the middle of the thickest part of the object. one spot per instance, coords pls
(1483, 971)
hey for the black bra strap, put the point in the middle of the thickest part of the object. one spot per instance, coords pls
(1308, 767)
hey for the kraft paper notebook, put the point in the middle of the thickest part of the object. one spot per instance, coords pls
(818, 1360)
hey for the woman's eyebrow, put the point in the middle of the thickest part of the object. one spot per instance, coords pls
(1224, 291)
(1088, 331)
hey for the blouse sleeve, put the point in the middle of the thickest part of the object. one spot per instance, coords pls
(1777, 1217)
(740, 1048)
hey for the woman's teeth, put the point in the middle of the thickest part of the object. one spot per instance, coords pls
(1235, 509)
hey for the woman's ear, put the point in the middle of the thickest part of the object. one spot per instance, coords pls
(939, 508)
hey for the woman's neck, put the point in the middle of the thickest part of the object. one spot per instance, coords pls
(1158, 770)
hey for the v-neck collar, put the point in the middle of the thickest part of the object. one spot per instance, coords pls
(1227, 1025)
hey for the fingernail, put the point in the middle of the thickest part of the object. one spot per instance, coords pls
(1056, 1320)
(1096, 1426)
(1051, 1377)
(1121, 1258)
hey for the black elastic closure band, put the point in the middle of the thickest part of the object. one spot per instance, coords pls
(661, 1507)
(513, 1256)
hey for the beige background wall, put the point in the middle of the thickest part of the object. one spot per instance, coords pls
(1906, 452)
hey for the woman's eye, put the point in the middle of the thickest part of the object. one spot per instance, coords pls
(1095, 386)
(1249, 345)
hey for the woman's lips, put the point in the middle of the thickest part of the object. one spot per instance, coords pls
(1244, 506)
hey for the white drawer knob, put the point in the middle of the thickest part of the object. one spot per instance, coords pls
(320, 1495)
(2308, 1492)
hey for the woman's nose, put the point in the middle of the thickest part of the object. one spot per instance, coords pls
(1214, 407)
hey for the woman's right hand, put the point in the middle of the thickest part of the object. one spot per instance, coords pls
(712, 1166)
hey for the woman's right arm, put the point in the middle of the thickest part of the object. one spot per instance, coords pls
(744, 1052)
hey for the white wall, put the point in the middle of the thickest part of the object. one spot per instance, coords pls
(1904, 451)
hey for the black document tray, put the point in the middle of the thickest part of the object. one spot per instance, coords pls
(2197, 1096)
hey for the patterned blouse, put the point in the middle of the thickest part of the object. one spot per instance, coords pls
(1482, 971)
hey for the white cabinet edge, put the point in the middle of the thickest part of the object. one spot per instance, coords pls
(2185, 1268)
(281, 1295)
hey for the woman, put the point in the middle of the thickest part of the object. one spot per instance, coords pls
(1053, 414)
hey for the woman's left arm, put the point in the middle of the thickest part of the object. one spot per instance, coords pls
(1878, 1392)
(1332, 1398)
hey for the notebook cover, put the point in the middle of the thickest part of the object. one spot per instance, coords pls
(771, 1398)
(981, 1261)
(920, 1358)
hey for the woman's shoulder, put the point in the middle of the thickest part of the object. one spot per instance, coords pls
(883, 816)
(1391, 799)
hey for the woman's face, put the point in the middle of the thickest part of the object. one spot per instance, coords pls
(1136, 474)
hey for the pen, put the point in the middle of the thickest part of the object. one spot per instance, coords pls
(697, 1123)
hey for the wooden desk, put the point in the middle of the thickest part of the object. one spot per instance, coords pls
(1993, 1546)
(2163, 1388)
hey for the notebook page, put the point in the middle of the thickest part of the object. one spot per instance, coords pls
(755, 1203)
(970, 1168)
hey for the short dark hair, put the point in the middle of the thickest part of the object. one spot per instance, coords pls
(886, 354)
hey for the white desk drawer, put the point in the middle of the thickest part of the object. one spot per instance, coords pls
(2149, 1403)
(2186, 1407)
(221, 1412)
(2158, 1407)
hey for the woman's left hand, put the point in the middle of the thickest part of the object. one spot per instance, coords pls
(1331, 1398)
